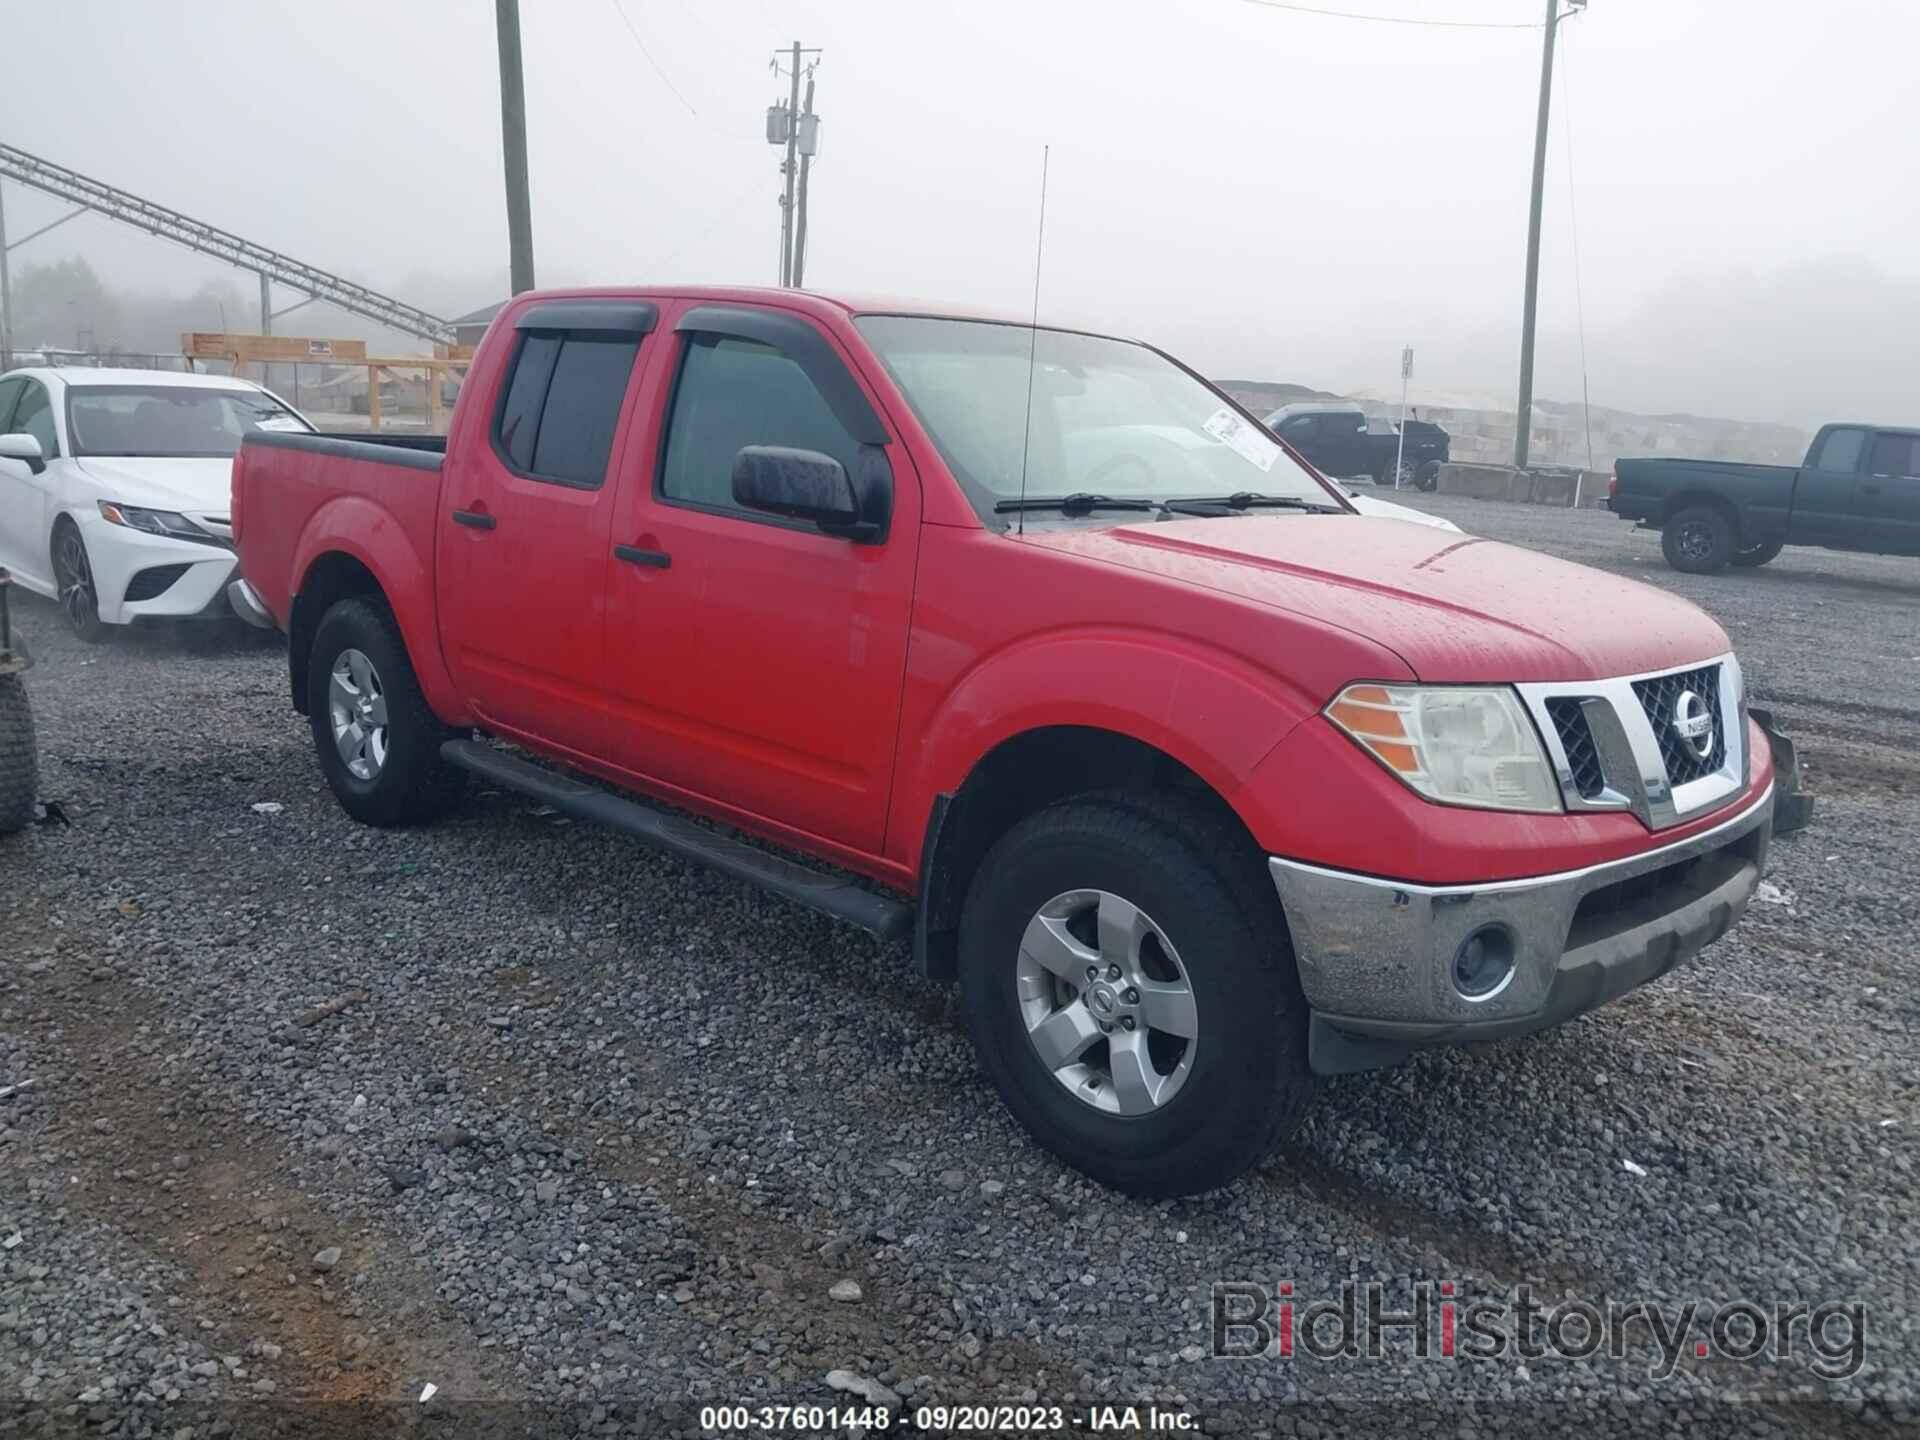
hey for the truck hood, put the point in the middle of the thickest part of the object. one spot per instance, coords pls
(195, 486)
(1456, 608)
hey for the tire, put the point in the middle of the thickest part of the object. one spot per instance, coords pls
(1427, 477)
(73, 581)
(1698, 540)
(19, 778)
(1755, 556)
(386, 767)
(1203, 915)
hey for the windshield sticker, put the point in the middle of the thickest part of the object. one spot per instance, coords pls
(1248, 443)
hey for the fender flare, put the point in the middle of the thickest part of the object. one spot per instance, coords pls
(1215, 713)
(355, 526)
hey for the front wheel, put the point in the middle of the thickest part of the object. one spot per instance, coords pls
(1698, 540)
(1755, 556)
(378, 742)
(73, 577)
(1129, 987)
(18, 774)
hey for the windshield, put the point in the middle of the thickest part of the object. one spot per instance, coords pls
(1110, 417)
(163, 421)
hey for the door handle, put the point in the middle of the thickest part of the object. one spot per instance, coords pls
(474, 519)
(1870, 489)
(634, 555)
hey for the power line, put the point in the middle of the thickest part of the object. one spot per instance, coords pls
(664, 80)
(1398, 19)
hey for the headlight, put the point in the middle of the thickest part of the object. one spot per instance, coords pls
(155, 522)
(1454, 744)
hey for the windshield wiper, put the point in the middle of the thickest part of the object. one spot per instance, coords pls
(1248, 499)
(1078, 503)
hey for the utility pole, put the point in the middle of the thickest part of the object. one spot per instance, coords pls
(799, 133)
(513, 145)
(806, 137)
(787, 169)
(1523, 411)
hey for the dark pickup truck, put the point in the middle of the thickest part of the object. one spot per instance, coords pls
(1338, 441)
(1859, 490)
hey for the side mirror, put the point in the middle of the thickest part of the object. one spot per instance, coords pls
(800, 484)
(24, 448)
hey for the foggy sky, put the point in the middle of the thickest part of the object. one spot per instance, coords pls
(1272, 195)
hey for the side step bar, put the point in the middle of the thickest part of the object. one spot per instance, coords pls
(833, 895)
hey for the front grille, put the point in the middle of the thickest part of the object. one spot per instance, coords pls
(153, 582)
(1658, 697)
(1569, 717)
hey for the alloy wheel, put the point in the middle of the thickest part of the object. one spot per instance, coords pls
(1106, 1001)
(357, 708)
(77, 595)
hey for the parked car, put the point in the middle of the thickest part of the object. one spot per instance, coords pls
(1387, 510)
(1858, 490)
(1340, 441)
(19, 773)
(1199, 785)
(113, 488)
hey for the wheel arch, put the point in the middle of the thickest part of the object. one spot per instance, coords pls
(1020, 776)
(352, 546)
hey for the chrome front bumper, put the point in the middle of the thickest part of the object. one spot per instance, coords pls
(1376, 957)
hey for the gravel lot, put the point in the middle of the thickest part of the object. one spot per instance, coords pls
(565, 1128)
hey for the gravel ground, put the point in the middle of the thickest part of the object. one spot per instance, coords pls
(321, 1115)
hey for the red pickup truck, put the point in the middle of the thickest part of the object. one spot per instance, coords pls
(1199, 783)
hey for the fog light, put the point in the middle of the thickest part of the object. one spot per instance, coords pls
(1484, 963)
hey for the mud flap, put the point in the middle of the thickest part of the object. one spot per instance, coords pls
(1792, 809)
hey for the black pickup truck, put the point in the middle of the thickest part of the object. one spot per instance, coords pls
(1338, 442)
(1859, 490)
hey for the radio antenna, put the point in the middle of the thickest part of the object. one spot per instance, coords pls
(1033, 337)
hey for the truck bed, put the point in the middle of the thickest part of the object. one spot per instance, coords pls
(296, 490)
(1652, 488)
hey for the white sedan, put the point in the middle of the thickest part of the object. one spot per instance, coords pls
(1387, 510)
(114, 488)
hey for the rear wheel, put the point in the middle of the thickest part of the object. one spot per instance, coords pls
(1698, 540)
(1130, 990)
(1754, 556)
(378, 742)
(18, 777)
(1428, 476)
(73, 578)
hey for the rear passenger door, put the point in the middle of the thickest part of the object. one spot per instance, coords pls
(526, 515)
(1890, 492)
(752, 660)
(1825, 506)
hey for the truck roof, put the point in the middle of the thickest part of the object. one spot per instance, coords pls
(813, 302)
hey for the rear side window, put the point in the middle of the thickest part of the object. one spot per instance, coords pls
(1841, 451)
(1895, 455)
(734, 393)
(562, 403)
